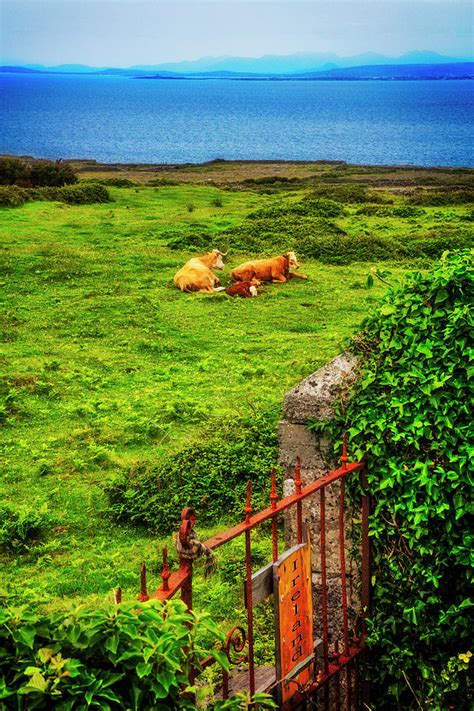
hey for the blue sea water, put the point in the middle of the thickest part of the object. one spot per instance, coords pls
(117, 119)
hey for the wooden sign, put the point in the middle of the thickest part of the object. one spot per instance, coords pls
(294, 619)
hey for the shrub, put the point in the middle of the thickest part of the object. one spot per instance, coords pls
(120, 658)
(11, 196)
(459, 196)
(195, 241)
(20, 528)
(114, 182)
(348, 192)
(308, 207)
(410, 416)
(84, 194)
(345, 249)
(51, 174)
(405, 211)
(11, 170)
(99, 658)
(435, 242)
(39, 173)
(322, 207)
(210, 477)
(278, 233)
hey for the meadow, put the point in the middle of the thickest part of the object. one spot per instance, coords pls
(109, 370)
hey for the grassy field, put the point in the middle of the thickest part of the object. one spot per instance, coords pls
(106, 366)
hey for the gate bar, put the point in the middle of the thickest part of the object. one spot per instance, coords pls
(281, 505)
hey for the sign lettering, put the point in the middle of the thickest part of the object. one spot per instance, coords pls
(294, 618)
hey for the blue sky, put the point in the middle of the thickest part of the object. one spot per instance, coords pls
(126, 32)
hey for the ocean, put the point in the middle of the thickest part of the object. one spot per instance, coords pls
(118, 119)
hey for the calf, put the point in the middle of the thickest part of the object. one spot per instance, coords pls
(243, 288)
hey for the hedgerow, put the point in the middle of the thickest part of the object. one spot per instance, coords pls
(410, 416)
(210, 476)
(120, 658)
(83, 194)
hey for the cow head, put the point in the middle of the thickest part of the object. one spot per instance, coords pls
(218, 261)
(292, 261)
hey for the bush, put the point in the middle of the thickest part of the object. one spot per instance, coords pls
(308, 207)
(40, 173)
(348, 192)
(47, 173)
(278, 233)
(410, 416)
(120, 658)
(345, 249)
(437, 199)
(84, 194)
(11, 170)
(195, 241)
(21, 528)
(435, 242)
(11, 196)
(210, 477)
(114, 182)
(322, 207)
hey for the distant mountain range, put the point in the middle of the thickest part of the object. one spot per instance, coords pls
(414, 65)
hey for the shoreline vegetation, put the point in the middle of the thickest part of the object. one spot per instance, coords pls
(223, 173)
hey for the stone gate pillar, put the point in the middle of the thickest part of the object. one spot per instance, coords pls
(315, 398)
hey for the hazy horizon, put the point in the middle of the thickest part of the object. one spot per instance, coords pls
(125, 33)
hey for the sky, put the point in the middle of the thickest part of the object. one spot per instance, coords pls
(122, 33)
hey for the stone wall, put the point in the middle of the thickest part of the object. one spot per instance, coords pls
(315, 398)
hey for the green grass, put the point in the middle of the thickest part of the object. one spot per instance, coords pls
(105, 364)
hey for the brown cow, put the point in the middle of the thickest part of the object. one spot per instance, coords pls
(276, 269)
(243, 288)
(196, 275)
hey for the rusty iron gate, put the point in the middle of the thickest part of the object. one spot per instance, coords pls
(334, 679)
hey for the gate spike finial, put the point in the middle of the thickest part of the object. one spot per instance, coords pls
(344, 458)
(274, 493)
(298, 481)
(165, 573)
(248, 507)
(143, 596)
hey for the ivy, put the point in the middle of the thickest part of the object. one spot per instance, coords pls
(410, 416)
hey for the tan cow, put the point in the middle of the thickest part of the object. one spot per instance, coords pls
(276, 269)
(196, 275)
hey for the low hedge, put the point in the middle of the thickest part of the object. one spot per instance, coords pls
(84, 194)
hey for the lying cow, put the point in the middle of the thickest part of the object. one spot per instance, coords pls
(276, 269)
(196, 275)
(244, 289)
